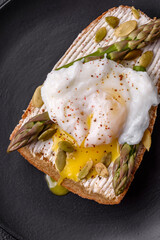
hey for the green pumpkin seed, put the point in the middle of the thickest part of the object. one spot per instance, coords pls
(125, 28)
(112, 21)
(146, 140)
(106, 159)
(47, 134)
(146, 59)
(133, 54)
(100, 34)
(139, 68)
(37, 99)
(66, 146)
(55, 188)
(135, 13)
(60, 160)
(101, 170)
(85, 170)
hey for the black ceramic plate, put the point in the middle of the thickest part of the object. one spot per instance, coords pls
(33, 36)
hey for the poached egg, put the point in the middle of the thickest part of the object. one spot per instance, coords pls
(100, 101)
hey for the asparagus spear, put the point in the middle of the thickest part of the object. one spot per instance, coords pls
(137, 39)
(123, 167)
(30, 131)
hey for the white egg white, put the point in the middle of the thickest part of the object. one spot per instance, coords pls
(99, 101)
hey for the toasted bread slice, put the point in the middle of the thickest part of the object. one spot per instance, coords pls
(40, 154)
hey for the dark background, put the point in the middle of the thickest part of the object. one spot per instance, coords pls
(34, 34)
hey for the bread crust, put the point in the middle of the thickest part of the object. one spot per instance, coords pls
(48, 168)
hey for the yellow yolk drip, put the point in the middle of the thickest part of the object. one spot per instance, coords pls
(76, 160)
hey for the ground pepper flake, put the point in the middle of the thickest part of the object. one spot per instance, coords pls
(120, 77)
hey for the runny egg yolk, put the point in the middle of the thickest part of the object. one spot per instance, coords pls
(76, 160)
